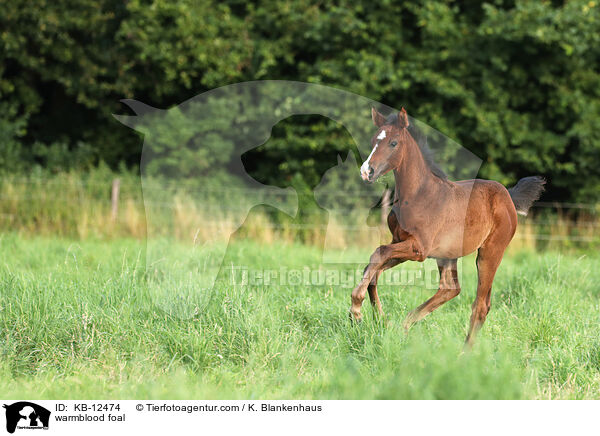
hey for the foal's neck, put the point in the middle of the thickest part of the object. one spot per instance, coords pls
(413, 174)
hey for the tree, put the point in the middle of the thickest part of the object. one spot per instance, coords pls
(516, 82)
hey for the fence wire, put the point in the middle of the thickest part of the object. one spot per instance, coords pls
(552, 221)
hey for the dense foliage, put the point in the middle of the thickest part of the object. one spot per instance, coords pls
(516, 82)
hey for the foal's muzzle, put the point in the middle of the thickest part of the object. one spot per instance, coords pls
(367, 173)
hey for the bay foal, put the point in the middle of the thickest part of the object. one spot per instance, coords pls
(434, 217)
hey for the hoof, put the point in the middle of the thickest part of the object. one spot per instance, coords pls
(380, 317)
(410, 320)
(468, 346)
(407, 324)
(355, 317)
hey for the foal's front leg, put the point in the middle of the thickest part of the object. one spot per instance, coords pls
(372, 288)
(410, 249)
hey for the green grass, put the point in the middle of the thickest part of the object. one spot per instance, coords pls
(77, 320)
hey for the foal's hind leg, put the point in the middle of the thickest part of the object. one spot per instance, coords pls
(489, 257)
(488, 260)
(447, 290)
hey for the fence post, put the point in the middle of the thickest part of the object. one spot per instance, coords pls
(385, 206)
(116, 186)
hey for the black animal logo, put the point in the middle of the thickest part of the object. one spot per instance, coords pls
(26, 415)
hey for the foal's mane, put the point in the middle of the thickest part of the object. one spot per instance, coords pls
(421, 140)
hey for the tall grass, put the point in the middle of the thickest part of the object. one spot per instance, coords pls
(80, 321)
(75, 204)
(78, 205)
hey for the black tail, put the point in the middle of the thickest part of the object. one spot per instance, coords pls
(525, 192)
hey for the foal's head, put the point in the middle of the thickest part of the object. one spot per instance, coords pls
(389, 145)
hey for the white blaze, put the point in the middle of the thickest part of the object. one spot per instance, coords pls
(364, 169)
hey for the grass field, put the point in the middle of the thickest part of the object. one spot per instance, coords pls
(78, 321)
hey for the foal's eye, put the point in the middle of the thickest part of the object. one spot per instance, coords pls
(393, 144)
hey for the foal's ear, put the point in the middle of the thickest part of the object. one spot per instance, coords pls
(378, 119)
(403, 119)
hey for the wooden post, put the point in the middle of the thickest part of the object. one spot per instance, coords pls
(385, 207)
(116, 186)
